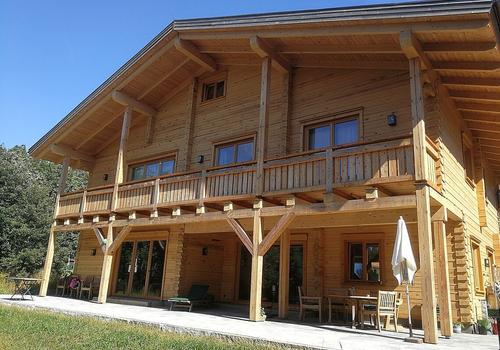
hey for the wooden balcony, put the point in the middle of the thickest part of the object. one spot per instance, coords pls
(345, 172)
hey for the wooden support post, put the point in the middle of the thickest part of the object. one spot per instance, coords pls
(48, 262)
(47, 267)
(445, 318)
(119, 172)
(257, 266)
(371, 193)
(265, 85)
(176, 211)
(284, 278)
(228, 206)
(189, 125)
(107, 263)
(83, 205)
(429, 318)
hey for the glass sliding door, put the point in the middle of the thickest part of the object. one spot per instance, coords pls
(140, 269)
(124, 268)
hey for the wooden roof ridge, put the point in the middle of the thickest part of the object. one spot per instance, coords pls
(399, 11)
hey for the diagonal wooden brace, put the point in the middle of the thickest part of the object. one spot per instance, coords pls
(243, 236)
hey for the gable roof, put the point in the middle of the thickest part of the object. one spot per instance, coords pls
(472, 23)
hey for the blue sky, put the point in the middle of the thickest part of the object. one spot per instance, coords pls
(54, 53)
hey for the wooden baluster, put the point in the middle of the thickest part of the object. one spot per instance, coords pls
(155, 199)
(328, 196)
(200, 209)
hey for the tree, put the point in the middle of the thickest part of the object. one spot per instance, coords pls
(28, 189)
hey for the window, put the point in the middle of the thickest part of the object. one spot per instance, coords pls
(336, 132)
(152, 169)
(363, 261)
(235, 152)
(213, 90)
(477, 266)
(468, 159)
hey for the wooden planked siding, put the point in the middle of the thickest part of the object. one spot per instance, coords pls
(86, 263)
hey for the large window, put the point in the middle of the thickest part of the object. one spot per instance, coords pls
(152, 169)
(234, 152)
(363, 261)
(332, 133)
(477, 266)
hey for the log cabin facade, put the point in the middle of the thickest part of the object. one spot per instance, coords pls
(299, 138)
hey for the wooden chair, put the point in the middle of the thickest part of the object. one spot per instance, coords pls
(62, 285)
(74, 289)
(386, 306)
(337, 302)
(86, 286)
(96, 285)
(309, 303)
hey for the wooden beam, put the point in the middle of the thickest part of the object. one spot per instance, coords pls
(107, 264)
(475, 95)
(184, 85)
(242, 235)
(284, 222)
(482, 66)
(118, 240)
(449, 47)
(161, 79)
(257, 268)
(479, 107)
(192, 52)
(47, 266)
(265, 86)
(326, 61)
(97, 131)
(100, 238)
(67, 151)
(429, 318)
(263, 49)
(421, 27)
(484, 82)
(284, 276)
(131, 102)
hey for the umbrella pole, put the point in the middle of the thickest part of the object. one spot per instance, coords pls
(409, 310)
(411, 338)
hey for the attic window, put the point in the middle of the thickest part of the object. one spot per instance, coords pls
(214, 90)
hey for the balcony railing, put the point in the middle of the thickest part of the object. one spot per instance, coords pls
(362, 164)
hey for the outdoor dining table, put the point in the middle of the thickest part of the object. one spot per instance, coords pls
(23, 286)
(356, 303)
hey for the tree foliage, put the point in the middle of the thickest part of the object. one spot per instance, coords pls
(28, 189)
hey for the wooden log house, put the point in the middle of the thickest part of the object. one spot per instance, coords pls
(299, 138)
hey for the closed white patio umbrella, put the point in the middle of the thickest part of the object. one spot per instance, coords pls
(404, 266)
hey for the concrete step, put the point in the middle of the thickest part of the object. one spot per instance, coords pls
(135, 302)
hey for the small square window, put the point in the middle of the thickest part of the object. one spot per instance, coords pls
(167, 167)
(152, 169)
(137, 172)
(364, 262)
(225, 155)
(332, 133)
(235, 152)
(214, 90)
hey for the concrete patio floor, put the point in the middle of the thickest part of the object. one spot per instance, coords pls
(230, 325)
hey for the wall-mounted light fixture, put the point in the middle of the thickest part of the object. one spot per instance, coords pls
(201, 159)
(92, 252)
(204, 251)
(105, 177)
(392, 119)
(486, 262)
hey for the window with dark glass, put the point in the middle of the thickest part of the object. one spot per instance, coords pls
(152, 169)
(364, 261)
(468, 162)
(477, 267)
(236, 152)
(214, 90)
(335, 132)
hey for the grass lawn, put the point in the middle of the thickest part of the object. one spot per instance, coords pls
(36, 329)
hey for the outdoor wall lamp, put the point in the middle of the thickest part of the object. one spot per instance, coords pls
(486, 262)
(392, 119)
(201, 159)
(92, 252)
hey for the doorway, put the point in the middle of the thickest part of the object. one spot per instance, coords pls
(139, 271)
(270, 274)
